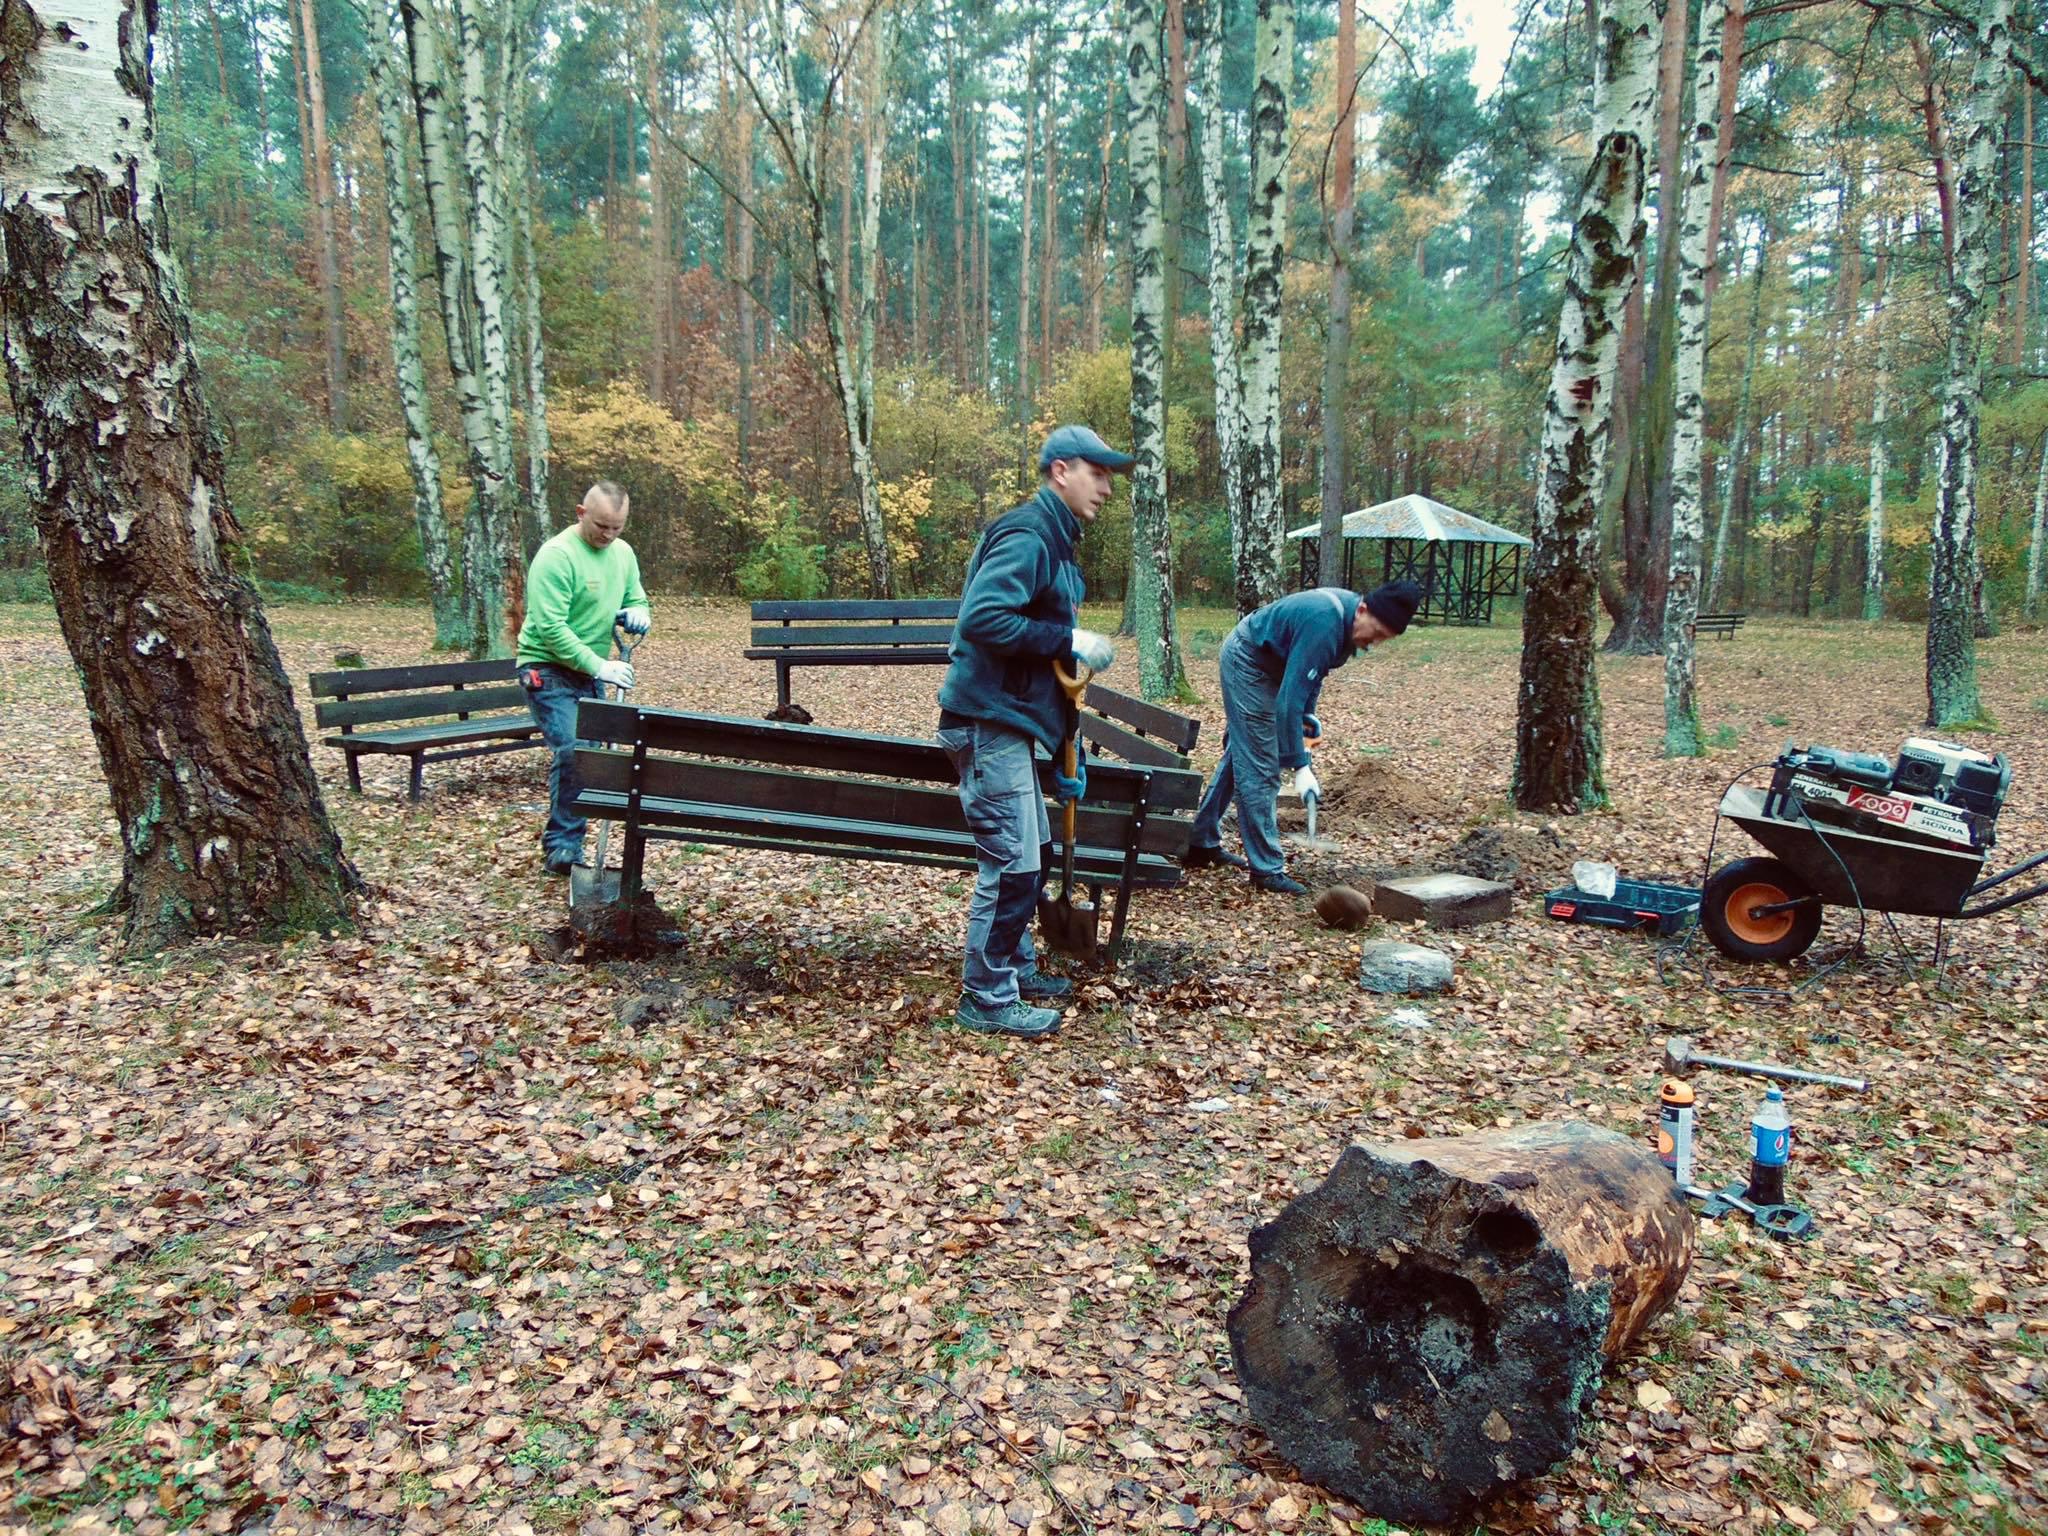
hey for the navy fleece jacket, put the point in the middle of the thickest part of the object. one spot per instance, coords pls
(1296, 642)
(1017, 617)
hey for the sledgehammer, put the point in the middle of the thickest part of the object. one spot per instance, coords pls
(1680, 1057)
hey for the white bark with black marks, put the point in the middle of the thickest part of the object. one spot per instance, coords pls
(1224, 279)
(1873, 574)
(2033, 599)
(1557, 718)
(1258, 563)
(1682, 736)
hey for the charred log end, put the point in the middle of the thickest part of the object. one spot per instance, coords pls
(1413, 1339)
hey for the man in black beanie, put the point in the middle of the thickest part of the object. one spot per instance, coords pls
(1273, 665)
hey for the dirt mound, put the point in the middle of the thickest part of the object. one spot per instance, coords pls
(1529, 858)
(1373, 792)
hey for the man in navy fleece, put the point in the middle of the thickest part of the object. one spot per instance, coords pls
(1273, 666)
(1017, 618)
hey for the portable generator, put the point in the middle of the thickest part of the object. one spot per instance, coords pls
(1934, 792)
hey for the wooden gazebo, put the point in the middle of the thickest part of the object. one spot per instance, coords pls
(1461, 562)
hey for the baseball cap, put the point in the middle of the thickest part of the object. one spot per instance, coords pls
(1080, 443)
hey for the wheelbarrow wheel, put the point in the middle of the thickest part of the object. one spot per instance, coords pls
(1729, 911)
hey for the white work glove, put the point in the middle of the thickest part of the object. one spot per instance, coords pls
(635, 620)
(1305, 781)
(617, 673)
(1093, 651)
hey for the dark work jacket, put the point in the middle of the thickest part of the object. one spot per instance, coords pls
(1297, 642)
(1017, 617)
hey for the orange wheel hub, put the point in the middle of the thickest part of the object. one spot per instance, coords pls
(1758, 928)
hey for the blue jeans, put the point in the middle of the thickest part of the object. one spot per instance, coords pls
(1250, 770)
(552, 693)
(1006, 813)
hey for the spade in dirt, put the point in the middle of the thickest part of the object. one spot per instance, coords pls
(598, 884)
(1069, 926)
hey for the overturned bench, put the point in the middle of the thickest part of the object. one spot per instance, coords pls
(467, 709)
(804, 789)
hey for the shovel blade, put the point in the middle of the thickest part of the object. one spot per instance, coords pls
(1069, 927)
(593, 885)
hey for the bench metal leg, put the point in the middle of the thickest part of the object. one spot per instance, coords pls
(355, 771)
(782, 685)
(635, 865)
(419, 769)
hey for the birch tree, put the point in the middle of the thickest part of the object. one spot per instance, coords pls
(1873, 568)
(1224, 278)
(386, 64)
(327, 255)
(1557, 716)
(1952, 696)
(1160, 673)
(1689, 367)
(222, 825)
(1255, 523)
(2033, 598)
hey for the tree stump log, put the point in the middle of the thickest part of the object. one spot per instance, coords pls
(1430, 1323)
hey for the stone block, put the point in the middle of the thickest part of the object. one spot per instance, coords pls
(1402, 970)
(1445, 901)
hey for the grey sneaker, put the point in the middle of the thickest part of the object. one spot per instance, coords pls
(1279, 885)
(1034, 986)
(1018, 1018)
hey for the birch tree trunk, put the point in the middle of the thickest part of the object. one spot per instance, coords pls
(1337, 343)
(1738, 444)
(385, 63)
(2033, 599)
(1557, 717)
(1952, 696)
(1873, 571)
(538, 441)
(1223, 286)
(222, 825)
(1160, 671)
(326, 251)
(1682, 736)
(1257, 546)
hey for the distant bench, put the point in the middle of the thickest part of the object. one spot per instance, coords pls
(857, 633)
(804, 789)
(1722, 624)
(473, 709)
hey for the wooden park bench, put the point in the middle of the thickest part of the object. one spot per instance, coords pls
(850, 634)
(1722, 624)
(850, 795)
(469, 709)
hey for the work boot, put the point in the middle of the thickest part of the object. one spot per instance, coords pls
(1018, 1018)
(1279, 884)
(1208, 855)
(562, 860)
(1034, 986)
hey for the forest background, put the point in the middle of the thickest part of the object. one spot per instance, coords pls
(664, 326)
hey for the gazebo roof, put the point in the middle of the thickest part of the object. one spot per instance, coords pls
(1417, 517)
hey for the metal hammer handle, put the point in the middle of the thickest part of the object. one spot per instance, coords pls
(1679, 1056)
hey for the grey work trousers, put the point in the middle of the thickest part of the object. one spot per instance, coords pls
(1006, 813)
(1250, 770)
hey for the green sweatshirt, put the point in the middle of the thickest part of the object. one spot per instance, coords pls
(573, 593)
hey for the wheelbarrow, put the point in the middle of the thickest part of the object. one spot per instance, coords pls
(1842, 833)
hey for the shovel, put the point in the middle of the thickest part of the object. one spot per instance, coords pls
(1066, 925)
(587, 884)
(1312, 803)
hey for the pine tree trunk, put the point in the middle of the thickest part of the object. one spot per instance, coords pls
(1048, 272)
(222, 826)
(1732, 39)
(2025, 273)
(1682, 736)
(1223, 288)
(743, 241)
(326, 252)
(1937, 145)
(1160, 668)
(957, 126)
(1337, 343)
(1873, 565)
(1738, 447)
(1025, 209)
(386, 67)
(1557, 722)
(1258, 549)
(660, 276)
(1952, 696)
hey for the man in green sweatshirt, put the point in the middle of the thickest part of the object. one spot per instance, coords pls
(582, 582)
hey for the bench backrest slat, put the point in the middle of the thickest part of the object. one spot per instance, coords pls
(856, 634)
(417, 706)
(811, 746)
(435, 674)
(870, 610)
(1176, 730)
(1108, 736)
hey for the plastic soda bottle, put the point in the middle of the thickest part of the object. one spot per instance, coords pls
(1674, 1129)
(1771, 1128)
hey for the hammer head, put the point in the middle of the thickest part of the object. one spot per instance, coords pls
(1677, 1055)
